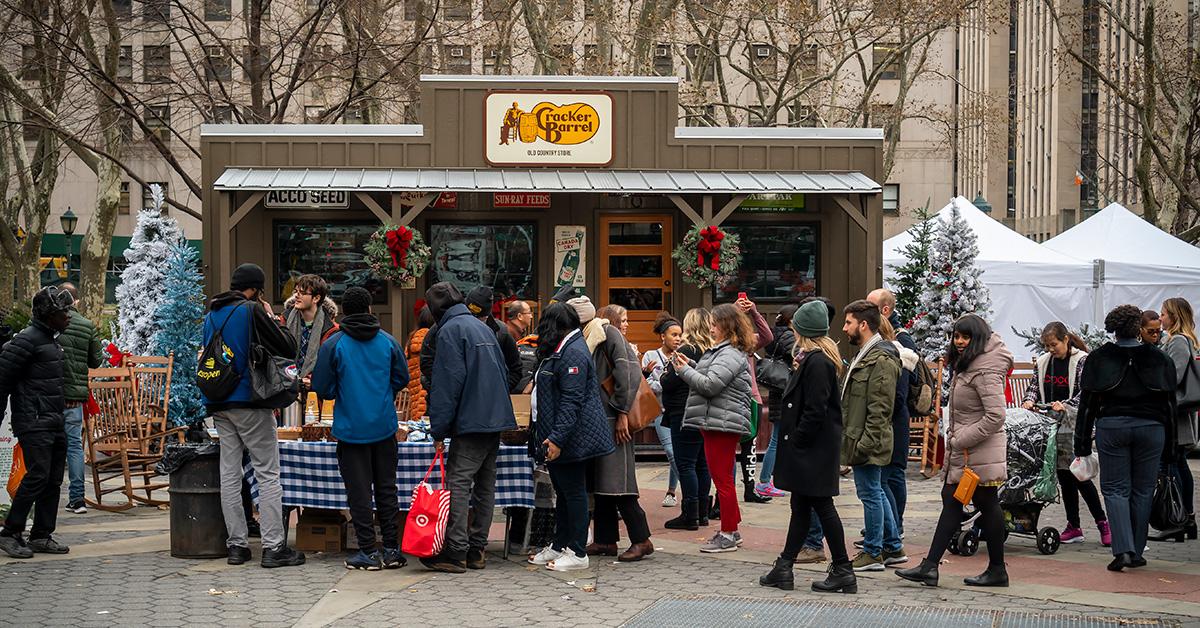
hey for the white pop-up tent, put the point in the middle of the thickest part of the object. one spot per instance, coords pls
(1030, 284)
(1136, 262)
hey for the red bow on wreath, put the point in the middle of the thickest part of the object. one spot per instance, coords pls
(710, 247)
(398, 241)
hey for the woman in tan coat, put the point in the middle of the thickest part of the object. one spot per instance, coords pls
(975, 439)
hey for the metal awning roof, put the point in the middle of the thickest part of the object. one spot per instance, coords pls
(540, 180)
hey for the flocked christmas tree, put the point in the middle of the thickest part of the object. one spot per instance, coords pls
(908, 280)
(180, 322)
(141, 287)
(952, 288)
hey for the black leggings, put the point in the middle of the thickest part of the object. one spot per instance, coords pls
(802, 509)
(991, 523)
(1072, 488)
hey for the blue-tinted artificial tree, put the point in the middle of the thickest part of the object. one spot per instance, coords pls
(179, 323)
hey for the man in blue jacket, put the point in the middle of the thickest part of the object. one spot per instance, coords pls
(469, 403)
(363, 368)
(246, 424)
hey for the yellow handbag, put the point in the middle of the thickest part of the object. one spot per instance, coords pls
(968, 483)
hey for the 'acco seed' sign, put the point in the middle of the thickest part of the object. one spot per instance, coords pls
(548, 128)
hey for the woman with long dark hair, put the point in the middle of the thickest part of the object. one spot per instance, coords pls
(569, 430)
(1056, 375)
(719, 406)
(1181, 346)
(694, 480)
(1127, 400)
(975, 439)
(810, 441)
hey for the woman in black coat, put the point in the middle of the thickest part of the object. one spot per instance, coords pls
(810, 440)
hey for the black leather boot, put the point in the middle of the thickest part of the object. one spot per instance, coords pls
(840, 579)
(780, 576)
(926, 573)
(688, 518)
(702, 507)
(995, 576)
(750, 497)
(714, 511)
(1189, 528)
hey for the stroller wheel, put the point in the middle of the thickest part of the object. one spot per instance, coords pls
(1048, 540)
(954, 543)
(969, 543)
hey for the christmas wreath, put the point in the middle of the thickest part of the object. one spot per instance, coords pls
(708, 257)
(397, 253)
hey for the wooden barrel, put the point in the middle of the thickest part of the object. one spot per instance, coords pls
(528, 127)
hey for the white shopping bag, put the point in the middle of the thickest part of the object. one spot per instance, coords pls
(1086, 468)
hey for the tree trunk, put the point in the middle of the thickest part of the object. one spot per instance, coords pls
(93, 255)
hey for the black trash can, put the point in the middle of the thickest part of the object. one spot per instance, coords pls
(197, 524)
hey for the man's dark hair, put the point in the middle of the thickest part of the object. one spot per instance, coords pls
(314, 285)
(425, 318)
(1124, 321)
(864, 310)
(356, 300)
(975, 328)
(785, 315)
(829, 306)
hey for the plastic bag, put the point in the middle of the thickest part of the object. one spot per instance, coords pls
(177, 455)
(1046, 487)
(18, 471)
(1086, 468)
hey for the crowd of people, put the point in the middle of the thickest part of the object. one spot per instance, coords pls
(835, 412)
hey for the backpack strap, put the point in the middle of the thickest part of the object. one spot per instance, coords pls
(221, 330)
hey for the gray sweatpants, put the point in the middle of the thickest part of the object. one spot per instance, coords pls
(471, 478)
(251, 429)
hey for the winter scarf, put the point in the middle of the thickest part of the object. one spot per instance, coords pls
(593, 333)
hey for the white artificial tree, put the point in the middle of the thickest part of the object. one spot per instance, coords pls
(142, 281)
(953, 287)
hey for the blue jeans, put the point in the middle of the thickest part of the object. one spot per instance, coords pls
(895, 488)
(1129, 455)
(664, 437)
(694, 478)
(74, 417)
(768, 463)
(881, 527)
(816, 535)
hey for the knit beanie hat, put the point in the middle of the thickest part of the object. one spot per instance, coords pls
(811, 320)
(584, 308)
(479, 301)
(248, 276)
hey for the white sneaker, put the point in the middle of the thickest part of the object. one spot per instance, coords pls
(545, 556)
(568, 561)
(669, 501)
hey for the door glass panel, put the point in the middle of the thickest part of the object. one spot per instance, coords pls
(635, 266)
(637, 298)
(635, 233)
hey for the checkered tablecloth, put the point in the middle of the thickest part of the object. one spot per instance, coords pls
(309, 474)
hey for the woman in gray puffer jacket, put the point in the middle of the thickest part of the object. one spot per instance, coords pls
(719, 406)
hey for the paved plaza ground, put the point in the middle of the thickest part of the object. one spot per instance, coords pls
(120, 573)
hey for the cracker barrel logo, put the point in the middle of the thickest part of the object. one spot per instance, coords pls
(575, 123)
(571, 128)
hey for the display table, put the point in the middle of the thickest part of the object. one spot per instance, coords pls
(308, 472)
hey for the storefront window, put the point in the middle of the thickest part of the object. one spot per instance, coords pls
(332, 250)
(497, 255)
(779, 262)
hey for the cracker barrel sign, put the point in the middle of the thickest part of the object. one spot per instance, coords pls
(548, 128)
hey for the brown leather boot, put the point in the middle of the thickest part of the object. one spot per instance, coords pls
(601, 549)
(637, 551)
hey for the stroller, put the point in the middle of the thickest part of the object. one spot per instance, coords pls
(1031, 485)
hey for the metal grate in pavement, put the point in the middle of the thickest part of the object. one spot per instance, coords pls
(695, 611)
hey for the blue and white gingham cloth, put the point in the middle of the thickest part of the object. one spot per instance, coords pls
(310, 477)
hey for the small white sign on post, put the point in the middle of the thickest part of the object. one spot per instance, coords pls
(570, 255)
(542, 128)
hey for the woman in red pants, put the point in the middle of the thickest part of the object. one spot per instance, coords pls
(719, 406)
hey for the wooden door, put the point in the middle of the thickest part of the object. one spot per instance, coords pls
(635, 270)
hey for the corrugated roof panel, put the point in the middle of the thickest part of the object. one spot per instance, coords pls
(769, 180)
(431, 179)
(798, 181)
(659, 181)
(824, 182)
(630, 180)
(574, 180)
(602, 180)
(289, 178)
(546, 181)
(314, 179)
(519, 180)
(687, 181)
(461, 179)
(489, 180)
(260, 178)
(375, 179)
(348, 179)
(404, 180)
(742, 181)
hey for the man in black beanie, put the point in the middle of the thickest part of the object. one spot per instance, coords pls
(479, 302)
(245, 424)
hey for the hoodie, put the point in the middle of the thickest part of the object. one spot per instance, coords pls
(363, 368)
(239, 323)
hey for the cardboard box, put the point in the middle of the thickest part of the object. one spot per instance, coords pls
(320, 530)
(521, 410)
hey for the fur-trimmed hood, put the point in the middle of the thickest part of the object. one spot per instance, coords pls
(908, 357)
(327, 304)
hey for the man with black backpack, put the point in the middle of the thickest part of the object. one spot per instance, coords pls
(238, 322)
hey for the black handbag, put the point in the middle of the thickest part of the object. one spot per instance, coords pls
(272, 377)
(1166, 507)
(772, 373)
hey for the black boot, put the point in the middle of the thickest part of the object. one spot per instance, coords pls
(926, 573)
(750, 497)
(781, 576)
(840, 579)
(688, 518)
(995, 576)
(1176, 535)
(705, 505)
(714, 512)
(1189, 528)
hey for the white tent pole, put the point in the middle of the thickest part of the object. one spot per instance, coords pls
(1098, 285)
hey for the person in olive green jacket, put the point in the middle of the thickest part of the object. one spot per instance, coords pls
(81, 348)
(868, 397)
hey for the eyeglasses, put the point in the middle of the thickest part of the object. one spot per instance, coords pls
(1152, 332)
(301, 292)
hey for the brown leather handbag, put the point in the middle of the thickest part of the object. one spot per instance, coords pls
(645, 406)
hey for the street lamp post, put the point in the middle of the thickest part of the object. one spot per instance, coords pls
(68, 221)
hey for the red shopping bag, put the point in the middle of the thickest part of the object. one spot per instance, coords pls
(425, 528)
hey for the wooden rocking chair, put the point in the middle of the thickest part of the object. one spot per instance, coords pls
(152, 388)
(112, 445)
(923, 431)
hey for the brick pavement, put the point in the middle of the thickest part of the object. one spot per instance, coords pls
(119, 573)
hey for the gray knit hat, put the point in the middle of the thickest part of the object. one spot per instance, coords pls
(811, 320)
(584, 308)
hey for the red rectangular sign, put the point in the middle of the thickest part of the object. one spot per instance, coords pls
(520, 199)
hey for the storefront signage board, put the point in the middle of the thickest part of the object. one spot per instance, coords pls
(309, 199)
(545, 128)
(772, 203)
(570, 255)
(521, 199)
(445, 200)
